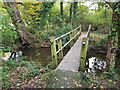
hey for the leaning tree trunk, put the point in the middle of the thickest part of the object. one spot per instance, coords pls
(25, 36)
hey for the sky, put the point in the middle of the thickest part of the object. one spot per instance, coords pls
(90, 5)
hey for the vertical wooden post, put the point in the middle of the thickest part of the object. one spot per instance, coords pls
(79, 30)
(53, 51)
(83, 53)
(76, 36)
(60, 54)
(71, 36)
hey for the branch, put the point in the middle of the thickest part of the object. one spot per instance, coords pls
(3, 45)
(20, 3)
(117, 3)
(113, 5)
(109, 3)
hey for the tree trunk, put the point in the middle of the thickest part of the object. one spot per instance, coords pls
(111, 52)
(110, 58)
(61, 9)
(75, 12)
(61, 12)
(117, 63)
(117, 27)
(71, 13)
(25, 36)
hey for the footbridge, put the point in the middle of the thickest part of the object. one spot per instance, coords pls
(76, 56)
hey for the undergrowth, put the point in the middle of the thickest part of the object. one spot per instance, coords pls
(14, 73)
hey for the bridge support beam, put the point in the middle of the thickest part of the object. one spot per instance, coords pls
(83, 53)
(53, 51)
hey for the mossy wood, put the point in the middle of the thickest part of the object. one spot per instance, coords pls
(71, 36)
(79, 30)
(60, 54)
(76, 36)
(53, 51)
(83, 53)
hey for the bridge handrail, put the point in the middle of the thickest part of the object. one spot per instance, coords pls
(67, 43)
(68, 32)
(89, 29)
(69, 40)
(58, 40)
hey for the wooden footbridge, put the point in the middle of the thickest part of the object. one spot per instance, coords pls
(75, 58)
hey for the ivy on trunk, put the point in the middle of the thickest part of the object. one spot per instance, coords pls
(113, 54)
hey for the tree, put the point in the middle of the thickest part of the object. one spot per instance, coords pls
(61, 9)
(71, 4)
(112, 40)
(31, 14)
(73, 12)
(61, 12)
(45, 12)
(75, 7)
(25, 36)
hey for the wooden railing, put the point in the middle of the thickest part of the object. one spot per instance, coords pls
(58, 41)
(89, 29)
(84, 49)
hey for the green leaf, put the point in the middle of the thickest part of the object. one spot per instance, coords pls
(112, 35)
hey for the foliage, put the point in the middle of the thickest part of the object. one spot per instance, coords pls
(98, 41)
(43, 19)
(111, 74)
(8, 65)
(56, 31)
(9, 34)
(21, 70)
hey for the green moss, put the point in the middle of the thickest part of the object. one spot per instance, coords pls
(65, 79)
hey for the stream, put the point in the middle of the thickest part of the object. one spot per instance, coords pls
(40, 55)
(95, 62)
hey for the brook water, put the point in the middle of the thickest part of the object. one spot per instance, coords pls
(95, 63)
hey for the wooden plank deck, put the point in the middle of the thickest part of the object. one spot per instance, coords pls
(71, 61)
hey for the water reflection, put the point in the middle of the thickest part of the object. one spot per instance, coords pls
(40, 55)
(96, 63)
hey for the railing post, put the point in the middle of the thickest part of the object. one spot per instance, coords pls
(76, 36)
(83, 53)
(60, 54)
(53, 51)
(71, 43)
(79, 30)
